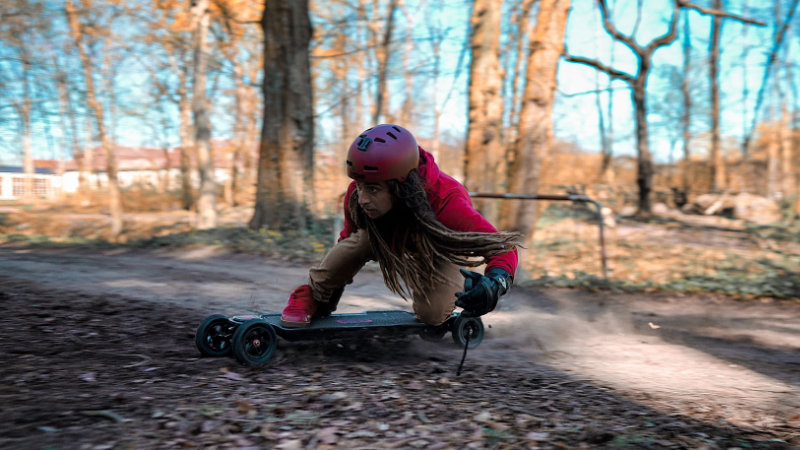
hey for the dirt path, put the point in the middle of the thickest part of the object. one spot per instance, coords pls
(99, 350)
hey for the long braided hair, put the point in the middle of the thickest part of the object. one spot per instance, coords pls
(409, 242)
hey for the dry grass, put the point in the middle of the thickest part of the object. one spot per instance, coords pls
(685, 253)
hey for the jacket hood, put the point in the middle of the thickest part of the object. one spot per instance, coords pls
(427, 168)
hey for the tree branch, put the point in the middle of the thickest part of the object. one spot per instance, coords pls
(613, 73)
(612, 30)
(716, 12)
(670, 35)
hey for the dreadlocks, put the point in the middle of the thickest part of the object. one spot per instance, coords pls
(410, 243)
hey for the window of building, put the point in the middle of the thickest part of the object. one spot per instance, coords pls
(41, 187)
(18, 187)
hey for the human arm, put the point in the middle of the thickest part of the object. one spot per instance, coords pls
(454, 209)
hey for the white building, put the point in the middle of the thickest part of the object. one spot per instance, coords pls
(142, 166)
(46, 183)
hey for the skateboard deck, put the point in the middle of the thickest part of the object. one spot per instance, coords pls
(347, 323)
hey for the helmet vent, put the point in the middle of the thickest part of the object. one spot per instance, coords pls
(389, 133)
(371, 168)
(381, 140)
(350, 163)
(397, 129)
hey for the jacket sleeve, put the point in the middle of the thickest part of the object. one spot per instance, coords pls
(458, 214)
(349, 227)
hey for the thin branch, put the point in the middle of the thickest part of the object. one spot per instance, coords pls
(592, 91)
(716, 12)
(613, 73)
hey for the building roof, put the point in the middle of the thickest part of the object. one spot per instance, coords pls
(18, 169)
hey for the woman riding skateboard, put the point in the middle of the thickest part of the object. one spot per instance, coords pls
(421, 227)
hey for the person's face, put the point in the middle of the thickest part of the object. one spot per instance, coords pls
(374, 198)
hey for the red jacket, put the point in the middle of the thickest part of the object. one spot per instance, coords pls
(452, 205)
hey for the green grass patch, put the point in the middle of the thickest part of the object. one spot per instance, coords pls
(559, 211)
(41, 240)
(291, 243)
(779, 282)
(786, 231)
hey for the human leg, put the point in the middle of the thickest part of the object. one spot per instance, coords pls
(435, 305)
(326, 281)
(339, 266)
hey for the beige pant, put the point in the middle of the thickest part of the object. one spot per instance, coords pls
(348, 256)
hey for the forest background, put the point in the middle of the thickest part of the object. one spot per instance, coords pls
(646, 107)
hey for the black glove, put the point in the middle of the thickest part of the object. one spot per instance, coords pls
(482, 291)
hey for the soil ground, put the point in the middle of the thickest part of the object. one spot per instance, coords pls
(98, 352)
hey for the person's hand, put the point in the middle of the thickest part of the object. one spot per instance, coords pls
(481, 292)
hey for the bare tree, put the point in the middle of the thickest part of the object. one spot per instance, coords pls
(520, 36)
(78, 35)
(717, 159)
(380, 108)
(16, 31)
(171, 30)
(65, 109)
(286, 156)
(638, 84)
(207, 196)
(239, 55)
(607, 131)
(718, 176)
(484, 129)
(686, 117)
(535, 124)
(777, 42)
(792, 155)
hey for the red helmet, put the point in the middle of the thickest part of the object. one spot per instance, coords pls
(383, 152)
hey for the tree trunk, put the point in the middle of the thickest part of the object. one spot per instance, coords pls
(484, 130)
(286, 154)
(115, 202)
(66, 111)
(644, 162)
(535, 126)
(382, 52)
(717, 159)
(27, 160)
(606, 172)
(185, 127)
(773, 166)
(240, 131)
(207, 196)
(686, 116)
(25, 108)
(407, 109)
(87, 175)
(785, 135)
(520, 37)
(745, 42)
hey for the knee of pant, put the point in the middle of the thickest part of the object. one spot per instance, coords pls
(432, 317)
